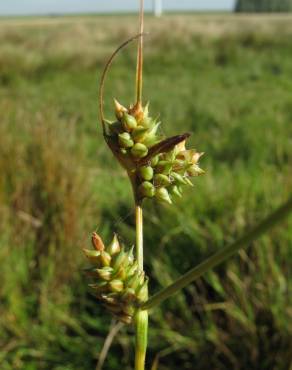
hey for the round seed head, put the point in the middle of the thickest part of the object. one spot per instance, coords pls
(116, 285)
(146, 172)
(139, 151)
(114, 246)
(162, 195)
(119, 109)
(146, 189)
(125, 140)
(161, 180)
(105, 273)
(129, 122)
(154, 161)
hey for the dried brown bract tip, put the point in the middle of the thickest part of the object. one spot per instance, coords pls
(97, 242)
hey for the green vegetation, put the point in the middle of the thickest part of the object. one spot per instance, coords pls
(231, 89)
(263, 5)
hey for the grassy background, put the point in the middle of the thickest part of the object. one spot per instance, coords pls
(226, 79)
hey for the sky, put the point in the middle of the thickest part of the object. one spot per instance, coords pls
(27, 7)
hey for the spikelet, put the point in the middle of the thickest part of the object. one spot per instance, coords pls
(116, 280)
(159, 166)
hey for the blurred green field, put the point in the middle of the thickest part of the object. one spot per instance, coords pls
(227, 79)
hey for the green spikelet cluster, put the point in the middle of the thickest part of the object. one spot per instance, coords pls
(134, 132)
(168, 172)
(158, 166)
(116, 280)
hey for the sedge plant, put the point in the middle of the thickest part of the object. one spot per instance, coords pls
(158, 168)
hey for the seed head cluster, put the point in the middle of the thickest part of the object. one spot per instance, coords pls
(116, 280)
(158, 166)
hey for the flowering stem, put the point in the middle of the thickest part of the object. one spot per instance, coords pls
(139, 73)
(139, 235)
(276, 217)
(141, 319)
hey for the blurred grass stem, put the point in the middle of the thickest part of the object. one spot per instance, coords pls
(115, 328)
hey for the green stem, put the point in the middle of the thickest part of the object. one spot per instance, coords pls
(139, 73)
(139, 235)
(141, 319)
(276, 217)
